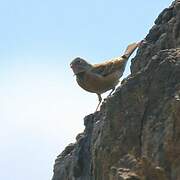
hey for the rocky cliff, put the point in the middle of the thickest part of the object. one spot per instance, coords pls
(136, 133)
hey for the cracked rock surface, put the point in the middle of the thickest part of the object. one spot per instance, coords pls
(136, 133)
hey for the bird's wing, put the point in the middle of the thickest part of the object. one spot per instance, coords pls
(109, 67)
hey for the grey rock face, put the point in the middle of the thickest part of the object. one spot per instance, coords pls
(136, 134)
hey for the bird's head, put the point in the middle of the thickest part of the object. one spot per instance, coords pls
(79, 65)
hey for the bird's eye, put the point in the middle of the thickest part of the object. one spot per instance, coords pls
(79, 61)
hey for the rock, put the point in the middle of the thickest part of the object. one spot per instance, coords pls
(165, 34)
(136, 133)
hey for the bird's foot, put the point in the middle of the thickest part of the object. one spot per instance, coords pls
(111, 92)
(100, 100)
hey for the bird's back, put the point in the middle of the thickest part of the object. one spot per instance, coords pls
(116, 64)
(112, 66)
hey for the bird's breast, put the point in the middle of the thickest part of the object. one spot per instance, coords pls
(95, 83)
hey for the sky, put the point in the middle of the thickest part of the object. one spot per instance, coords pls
(41, 106)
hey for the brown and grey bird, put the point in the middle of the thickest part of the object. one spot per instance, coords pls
(99, 78)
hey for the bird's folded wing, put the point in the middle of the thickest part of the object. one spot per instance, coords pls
(109, 67)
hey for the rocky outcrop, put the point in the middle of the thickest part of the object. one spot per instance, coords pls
(136, 133)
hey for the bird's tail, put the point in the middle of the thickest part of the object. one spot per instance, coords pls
(130, 49)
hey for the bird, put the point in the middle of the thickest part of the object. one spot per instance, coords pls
(102, 77)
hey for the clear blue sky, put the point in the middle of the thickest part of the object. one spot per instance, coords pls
(41, 106)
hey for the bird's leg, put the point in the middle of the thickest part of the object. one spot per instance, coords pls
(111, 91)
(100, 99)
